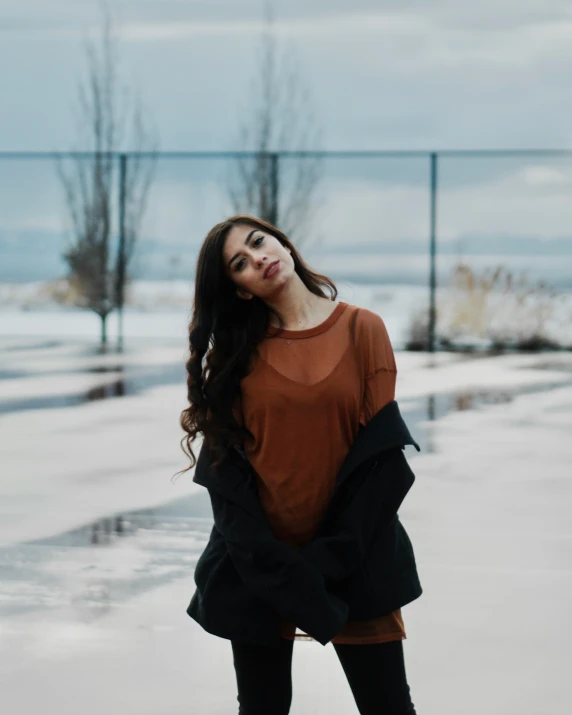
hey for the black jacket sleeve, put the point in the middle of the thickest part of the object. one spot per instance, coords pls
(276, 573)
(366, 504)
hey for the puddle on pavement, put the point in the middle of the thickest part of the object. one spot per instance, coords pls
(553, 365)
(12, 374)
(103, 564)
(92, 569)
(421, 412)
(133, 381)
(42, 345)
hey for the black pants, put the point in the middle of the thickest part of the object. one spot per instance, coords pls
(375, 673)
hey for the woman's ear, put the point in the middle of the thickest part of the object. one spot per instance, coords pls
(244, 296)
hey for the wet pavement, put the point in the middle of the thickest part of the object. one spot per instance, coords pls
(104, 563)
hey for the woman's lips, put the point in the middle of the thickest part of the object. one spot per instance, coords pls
(271, 270)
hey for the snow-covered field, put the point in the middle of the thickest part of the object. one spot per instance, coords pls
(98, 545)
(161, 310)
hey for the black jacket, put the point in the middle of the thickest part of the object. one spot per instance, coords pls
(359, 565)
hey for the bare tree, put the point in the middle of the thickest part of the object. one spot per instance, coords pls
(100, 181)
(279, 117)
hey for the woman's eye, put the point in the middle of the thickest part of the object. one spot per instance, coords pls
(256, 242)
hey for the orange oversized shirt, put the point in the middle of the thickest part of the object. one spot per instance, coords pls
(304, 400)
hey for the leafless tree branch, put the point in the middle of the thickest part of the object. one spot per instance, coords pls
(108, 115)
(282, 119)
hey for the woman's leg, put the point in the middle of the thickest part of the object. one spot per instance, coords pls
(263, 677)
(376, 676)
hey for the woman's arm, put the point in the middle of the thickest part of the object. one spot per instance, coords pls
(276, 573)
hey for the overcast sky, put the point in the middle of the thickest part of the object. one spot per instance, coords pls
(384, 74)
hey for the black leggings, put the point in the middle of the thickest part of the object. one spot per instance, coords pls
(375, 673)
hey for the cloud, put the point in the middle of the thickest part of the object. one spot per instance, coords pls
(346, 24)
(546, 176)
(384, 75)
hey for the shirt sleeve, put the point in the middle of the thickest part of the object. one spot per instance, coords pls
(379, 368)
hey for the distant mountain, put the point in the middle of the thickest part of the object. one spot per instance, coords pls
(471, 245)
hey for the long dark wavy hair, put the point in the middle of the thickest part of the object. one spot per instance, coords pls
(223, 332)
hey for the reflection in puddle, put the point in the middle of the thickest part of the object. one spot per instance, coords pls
(43, 345)
(431, 407)
(440, 405)
(12, 374)
(102, 531)
(105, 368)
(103, 564)
(419, 414)
(133, 381)
(111, 389)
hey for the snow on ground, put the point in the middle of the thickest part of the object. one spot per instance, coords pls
(488, 516)
(161, 311)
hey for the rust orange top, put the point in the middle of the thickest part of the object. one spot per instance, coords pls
(304, 400)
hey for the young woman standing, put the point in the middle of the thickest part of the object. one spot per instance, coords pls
(289, 376)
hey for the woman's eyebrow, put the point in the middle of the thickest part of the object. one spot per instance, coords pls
(246, 240)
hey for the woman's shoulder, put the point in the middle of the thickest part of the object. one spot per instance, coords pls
(372, 341)
(366, 320)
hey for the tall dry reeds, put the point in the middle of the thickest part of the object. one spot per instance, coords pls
(496, 309)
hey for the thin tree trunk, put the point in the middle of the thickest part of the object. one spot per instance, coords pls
(103, 330)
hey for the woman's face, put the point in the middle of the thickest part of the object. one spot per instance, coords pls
(249, 254)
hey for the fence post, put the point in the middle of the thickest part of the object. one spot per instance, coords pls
(120, 271)
(433, 253)
(274, 188)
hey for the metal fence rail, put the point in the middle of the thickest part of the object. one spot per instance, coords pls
(434, 162)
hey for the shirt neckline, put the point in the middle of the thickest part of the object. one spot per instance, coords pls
(309, 332)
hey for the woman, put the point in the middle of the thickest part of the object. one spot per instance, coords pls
(287, 377)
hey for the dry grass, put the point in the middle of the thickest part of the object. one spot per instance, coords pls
(498, 310)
